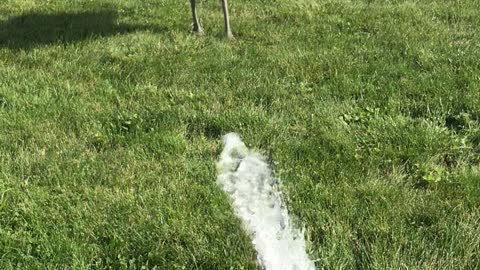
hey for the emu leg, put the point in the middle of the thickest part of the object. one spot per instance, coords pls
(228, 31)
(197, 28)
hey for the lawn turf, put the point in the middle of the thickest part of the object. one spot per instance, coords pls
(111, 114)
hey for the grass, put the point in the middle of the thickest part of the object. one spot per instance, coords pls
(111, 114)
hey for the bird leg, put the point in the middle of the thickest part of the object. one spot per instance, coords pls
(197, 28)
(228, 31)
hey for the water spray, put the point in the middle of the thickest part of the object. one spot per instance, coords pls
(257, 200)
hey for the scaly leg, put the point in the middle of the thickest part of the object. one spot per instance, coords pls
(228, 31)
(197, 28)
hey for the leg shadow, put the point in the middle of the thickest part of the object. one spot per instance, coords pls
(36, 29)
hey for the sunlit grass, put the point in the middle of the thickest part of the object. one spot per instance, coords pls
(111, 114)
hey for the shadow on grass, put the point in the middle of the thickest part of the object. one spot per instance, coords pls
(36, 29)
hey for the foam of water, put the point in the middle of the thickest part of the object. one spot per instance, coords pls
(246, 177)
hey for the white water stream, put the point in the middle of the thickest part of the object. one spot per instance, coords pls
(246, 177)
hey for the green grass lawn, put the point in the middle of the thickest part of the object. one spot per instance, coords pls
(111, 114)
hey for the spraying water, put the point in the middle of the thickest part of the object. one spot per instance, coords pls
(247, 179)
